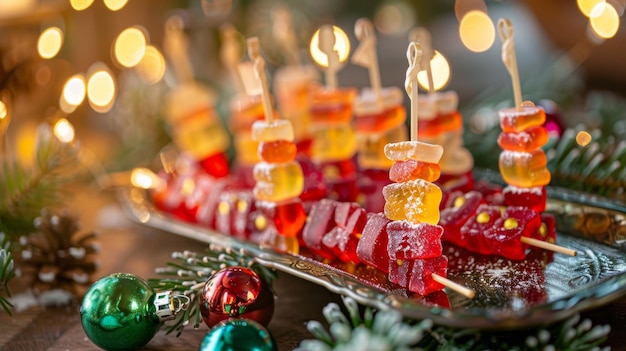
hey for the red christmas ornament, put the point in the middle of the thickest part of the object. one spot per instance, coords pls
(236, 292)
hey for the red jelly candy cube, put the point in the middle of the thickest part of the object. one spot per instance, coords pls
(343, 239)
(506, 233)
(473, 231)
(372, 247)
(461, 207)
(321, 221)
(416, 275)
(408, 241)
(314, 186)
(216, 165)
(533, 198)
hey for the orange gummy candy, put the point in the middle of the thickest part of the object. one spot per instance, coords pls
(512, 120)
(277, 151)
(415, 201)
(403, 171)
(332, 106)
(441, 124)
(376, 123)
(525, 141)
(524, 169)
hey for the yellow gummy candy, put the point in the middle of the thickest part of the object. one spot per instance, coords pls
(278, 129)
(333, 143)
(201, 136)
(415, 150)
(372, 147)
(277, 181)
(416, 201)
(246, 149)
(524, 169)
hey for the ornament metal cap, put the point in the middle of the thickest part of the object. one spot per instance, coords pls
(168, 305)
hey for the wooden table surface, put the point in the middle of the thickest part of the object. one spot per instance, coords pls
(133, 248)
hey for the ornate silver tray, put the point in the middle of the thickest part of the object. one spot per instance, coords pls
(541, 289)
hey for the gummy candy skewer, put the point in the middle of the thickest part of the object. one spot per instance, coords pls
(413, 55)
(422, 36)
(254, 52)
(505, 28)
(230, 54)
(365, 54)
(547, 246)
(327, 45)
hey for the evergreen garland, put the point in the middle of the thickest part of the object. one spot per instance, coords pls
(387, 330)
(188, 273)
(6, 272)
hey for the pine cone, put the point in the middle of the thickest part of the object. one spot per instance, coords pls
(57, 257)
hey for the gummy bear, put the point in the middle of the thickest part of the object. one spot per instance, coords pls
(524, 169)
(332, 106)
(525, 141)
(278, 181)
(403, 171)
(333, 143)
(514, 120)
(415, 201)
(277, 151)
(371, 147)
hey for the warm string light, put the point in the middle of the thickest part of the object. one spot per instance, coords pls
(586, 6)
(440, 71)
(342, 47)
(64, 131)
(477, 31)
(101, 89)
(604, 20)
(80, 5)
(115, 5)
(130, 46)
(152, 66)
(74, 92)
(50, 42)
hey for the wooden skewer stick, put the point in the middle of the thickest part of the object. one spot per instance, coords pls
(327, 46)
(175, 45)
(230, 54)
(365, 55)
(505, 28)
(254, 51)
(422, 36)
(467, 292)
(413, 55)
(547, 246)
(284, 34)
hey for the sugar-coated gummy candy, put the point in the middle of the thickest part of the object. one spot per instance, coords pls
(533, 198)
(460, 209)
(372, 247)
(233, 212)
(414, 150)
(277, 129)
(408, 241)
(442, 123)
(525, 141)
(456, 158)
(381, 122)
(321, 221)
(416, 275)
(277, 151)
(370, 184)
(473, 231)
(403, 171)
(244, 111)
(343, 239)
(372, 147)
(333, 143)
(506, 233)
(246, 149)
(415, 201)
(200, 138)
(524, 169)
(288, 217)
(513, 120)
(278, 181)
(332, 106)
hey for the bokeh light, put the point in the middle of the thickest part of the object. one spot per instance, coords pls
(585, 6)
(152, 66)
(342, 46)
(145, 179)
(4, 111)
(394, 17)
(130, 46)
(440, 69)
(477, 31)
(73, 92)
(604, 20)
(583, 138)
(50, 42)
(101, 89)
(80, 5)
(462, 7)
(115, 5)
(64, 130)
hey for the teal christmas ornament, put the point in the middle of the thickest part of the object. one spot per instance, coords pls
(118, 312)
(239, 334)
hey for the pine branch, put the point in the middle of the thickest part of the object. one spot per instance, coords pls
(188, 273)
(387, 330)
(25, 191)
(6, 272)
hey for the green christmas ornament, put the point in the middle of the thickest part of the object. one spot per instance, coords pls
(118, 312)
(238, 335)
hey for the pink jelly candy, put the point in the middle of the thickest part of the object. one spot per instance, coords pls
(408, 241)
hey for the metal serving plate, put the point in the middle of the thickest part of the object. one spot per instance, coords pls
(541, 289)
